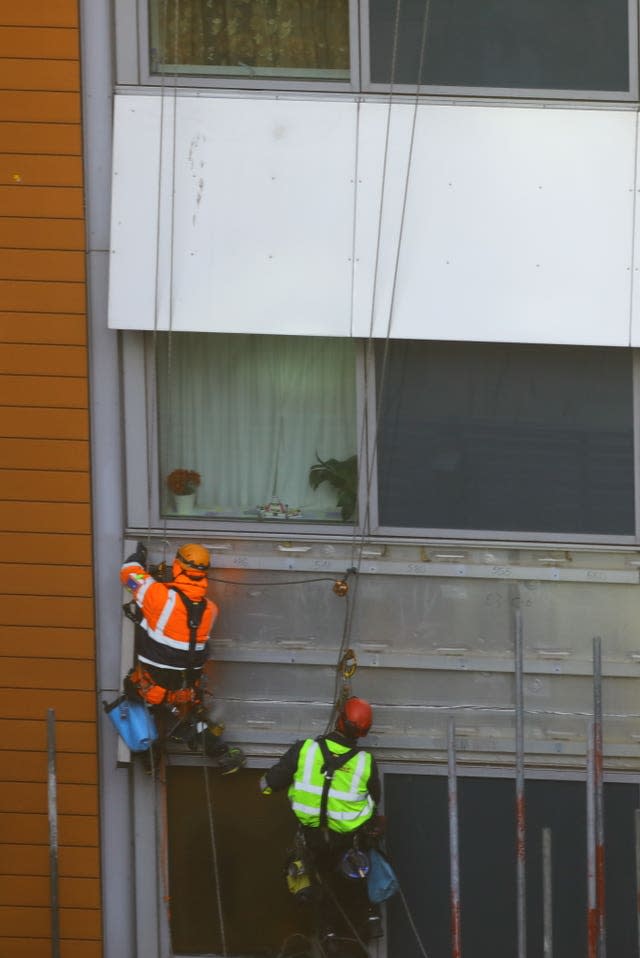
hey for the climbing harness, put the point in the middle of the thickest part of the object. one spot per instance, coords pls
(332, 763)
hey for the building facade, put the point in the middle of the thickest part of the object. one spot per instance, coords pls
(370, 270)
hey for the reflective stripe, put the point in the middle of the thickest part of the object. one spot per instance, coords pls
(335, 816)
(167, 609)
(161, 665)
(159, 636)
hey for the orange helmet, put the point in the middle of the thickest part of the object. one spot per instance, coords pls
(192, 559)
(355, 717)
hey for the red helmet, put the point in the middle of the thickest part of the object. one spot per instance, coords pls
(355, 718)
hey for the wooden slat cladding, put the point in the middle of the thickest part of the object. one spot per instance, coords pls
(60, 139)
(74, 922)
(20, 169)
(32, 767)
(31, 736)
(43, 360)
(35, 264)
(37, 485)
(23, 797)
(58, 75)
(41, 13)
(45, 454)
(34, 860)
(32, 948)
(38, 43)
(55, 201)
(74, 893)
(40, 233)
(62, 392)
(47, 644)
(39, 106)
(52, 549)
(43, 328)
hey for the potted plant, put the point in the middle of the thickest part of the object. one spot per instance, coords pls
(183, 483)
(342, 474)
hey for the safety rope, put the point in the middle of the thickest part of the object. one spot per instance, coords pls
(214, 850)
(372, 450)
(423, 950)
(348, 921)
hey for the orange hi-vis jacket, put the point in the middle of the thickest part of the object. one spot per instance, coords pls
(164, 635)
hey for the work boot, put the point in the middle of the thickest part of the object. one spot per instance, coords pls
(230, 759)
(374, 926)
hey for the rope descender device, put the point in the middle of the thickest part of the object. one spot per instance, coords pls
(348, 664)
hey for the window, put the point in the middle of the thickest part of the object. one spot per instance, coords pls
(567, 48)
(474, 439)
(490, 437)
(251, 38)
(529, 44)
(252, 836)
(252, 415)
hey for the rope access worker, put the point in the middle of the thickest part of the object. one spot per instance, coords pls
(173, 621)
(334, 788)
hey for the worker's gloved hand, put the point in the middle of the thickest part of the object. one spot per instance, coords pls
(139, 556)
(264, 786)
(376, 826)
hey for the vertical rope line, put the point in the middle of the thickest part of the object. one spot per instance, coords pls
(385, 355)
(364, 433)
(214, 851)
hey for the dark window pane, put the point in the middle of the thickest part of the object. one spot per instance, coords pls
(501, 437)
(251, 38)
(520, 44)
(252, 839)
(488, 865)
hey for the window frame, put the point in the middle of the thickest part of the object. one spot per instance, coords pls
(143, 472)
(220, 82)
(493, 535)
(132, 59)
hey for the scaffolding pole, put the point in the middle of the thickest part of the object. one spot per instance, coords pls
(454, 852)
(521, 880)
(598, 776)
(52, 803)
(592, 917)
(636, 822)
(547, 894)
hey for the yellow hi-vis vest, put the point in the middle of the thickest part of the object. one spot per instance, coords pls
(349, 804)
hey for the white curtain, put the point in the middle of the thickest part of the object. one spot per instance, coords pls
(249, 413)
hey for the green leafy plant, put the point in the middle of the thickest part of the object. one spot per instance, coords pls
(342, 474)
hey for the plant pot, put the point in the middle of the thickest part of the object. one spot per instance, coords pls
(185, 504)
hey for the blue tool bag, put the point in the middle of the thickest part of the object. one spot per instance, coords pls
(133, 722)
(381, 879)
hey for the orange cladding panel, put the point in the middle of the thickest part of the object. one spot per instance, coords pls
(47, 640)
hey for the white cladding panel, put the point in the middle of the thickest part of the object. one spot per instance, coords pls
(517, 226)
(259, 236)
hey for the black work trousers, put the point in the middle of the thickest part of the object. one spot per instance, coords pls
(342, 903)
